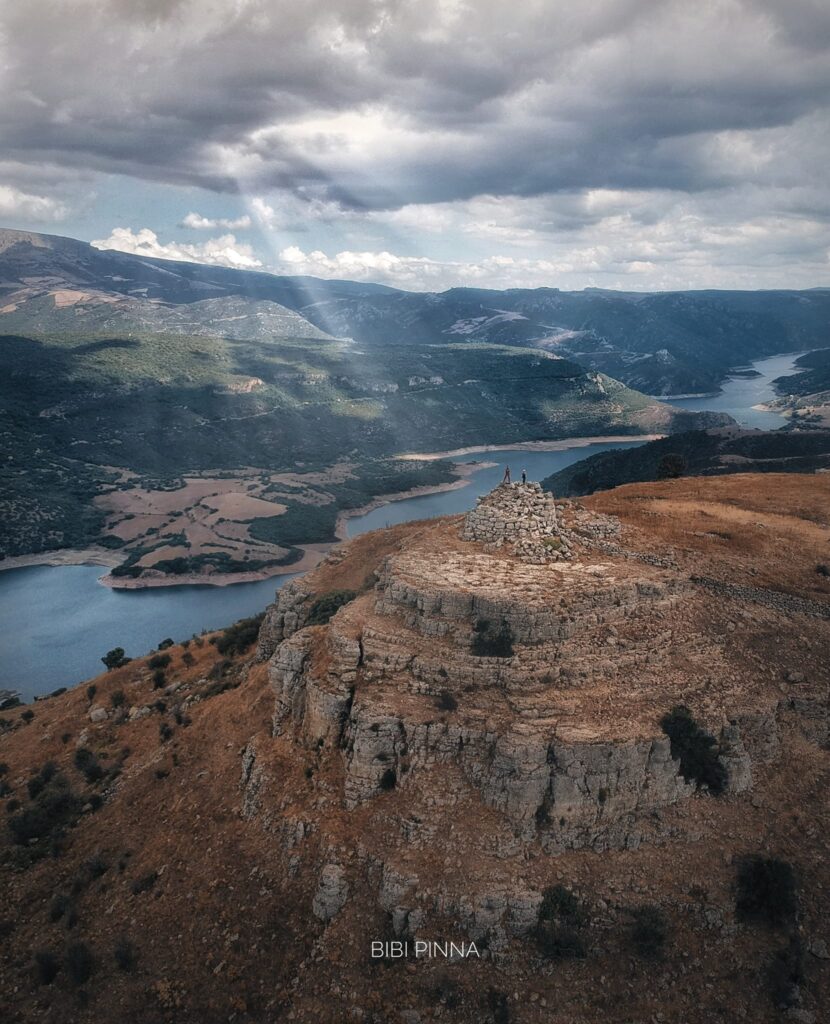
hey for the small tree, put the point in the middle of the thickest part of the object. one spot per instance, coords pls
(492, 639)
(115, 658)
(559, 928)
(649, 930)
(695, 748)
(671, 466)
(766, 890)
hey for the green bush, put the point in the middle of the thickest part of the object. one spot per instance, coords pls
(766, 890)
(325, 606)
(445, 701)
(159, 661)
(53, 809)
(114, 659)
(695, 749)
(558, 930)
(40, 780)
(492, 639)
(144, 884)
(236, 639)
(649, 930)
(87, 763)
(168, 642)
(80, 963)
(124, 954)
(47, 966)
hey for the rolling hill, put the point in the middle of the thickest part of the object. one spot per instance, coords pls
(132, 375)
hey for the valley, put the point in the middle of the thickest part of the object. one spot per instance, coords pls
(589, 738)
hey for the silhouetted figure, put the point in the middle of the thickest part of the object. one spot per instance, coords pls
(506, 477)
(524, 476)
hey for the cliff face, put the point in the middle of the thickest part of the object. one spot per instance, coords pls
(477, 724)
(546, 657)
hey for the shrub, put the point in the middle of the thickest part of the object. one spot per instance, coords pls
(492, 639)
(28, 715)
(236, 639)
(822, 569)
(325, 606)
(499, 1006)
(79, 962)
(124, 954)
(60, 904)
(91, 690)
(117, 699)
(446, 701)
(159, 661)
(41, 779)
(766, 890)
(649, 930)
(389, 779)
(47, 966)
(167, 642)
(95, 867)
(54, 808)
(144, 884)
(4, 768)
(159, 679)
(695, 749)
(188, 659)
(558, 930)
(671, 466)
(87, 763)
(114, 659)
(165, 732)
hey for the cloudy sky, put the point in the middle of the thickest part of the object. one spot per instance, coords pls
(636, 144)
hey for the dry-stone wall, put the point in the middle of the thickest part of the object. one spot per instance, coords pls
(523, 516)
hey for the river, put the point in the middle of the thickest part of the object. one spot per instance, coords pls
(57, 621)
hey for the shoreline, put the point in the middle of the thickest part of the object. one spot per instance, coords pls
(313, 554)
(464, 470)
(530, 446)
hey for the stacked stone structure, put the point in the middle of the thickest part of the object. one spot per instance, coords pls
(523, 517)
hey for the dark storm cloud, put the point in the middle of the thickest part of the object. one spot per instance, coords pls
(379, 103)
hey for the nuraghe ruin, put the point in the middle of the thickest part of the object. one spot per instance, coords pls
(509, 670)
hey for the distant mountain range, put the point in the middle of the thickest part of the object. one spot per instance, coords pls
(666, 343)
(122, 373)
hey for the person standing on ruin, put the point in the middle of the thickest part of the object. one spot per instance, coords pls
(506, 477)
(524, 476)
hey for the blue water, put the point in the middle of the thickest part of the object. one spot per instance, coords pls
(57, 621)
(538, 466)
(739, 395)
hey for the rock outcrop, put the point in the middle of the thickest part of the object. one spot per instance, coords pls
(517, 661)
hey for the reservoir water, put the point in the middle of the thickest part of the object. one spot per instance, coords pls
(57, 621)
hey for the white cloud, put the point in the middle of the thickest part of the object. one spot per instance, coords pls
(223, 251)
(200, 223)
(18, 205)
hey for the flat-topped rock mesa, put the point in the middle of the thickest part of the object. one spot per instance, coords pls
(532, 653)
(437, 739)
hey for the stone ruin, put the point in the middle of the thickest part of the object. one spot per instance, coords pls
(522, 516)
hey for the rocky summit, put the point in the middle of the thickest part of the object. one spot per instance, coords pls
(544, 762)
(551, 644)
